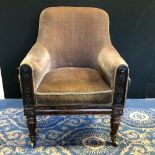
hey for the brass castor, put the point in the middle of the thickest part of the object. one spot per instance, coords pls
(32, 144)
(115, 143)
(113, 139)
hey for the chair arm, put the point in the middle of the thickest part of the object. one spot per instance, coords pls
(110, 61)
(35, 65)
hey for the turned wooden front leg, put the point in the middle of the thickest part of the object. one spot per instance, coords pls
(28, 100)
(31, 124)
(115, 123)
(121, 83)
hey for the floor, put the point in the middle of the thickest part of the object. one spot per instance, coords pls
(79, 135)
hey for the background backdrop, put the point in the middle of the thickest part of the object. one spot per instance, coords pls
(132, 32)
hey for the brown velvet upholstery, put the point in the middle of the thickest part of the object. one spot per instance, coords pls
(72, 37)
(73, 85)
(109, 60)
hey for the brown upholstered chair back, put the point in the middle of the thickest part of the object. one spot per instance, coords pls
(74, 35)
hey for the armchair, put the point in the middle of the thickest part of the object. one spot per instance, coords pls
(73, 68)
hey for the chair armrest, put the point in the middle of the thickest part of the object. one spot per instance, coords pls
(35, 65)
(110, 61)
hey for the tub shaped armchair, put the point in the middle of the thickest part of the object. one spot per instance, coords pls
(73, 68)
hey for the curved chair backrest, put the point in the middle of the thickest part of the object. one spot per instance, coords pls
(74, 35)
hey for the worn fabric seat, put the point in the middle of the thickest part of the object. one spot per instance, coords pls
(73, 85)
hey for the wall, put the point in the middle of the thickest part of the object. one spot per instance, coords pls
(132, 32)
(1, 87)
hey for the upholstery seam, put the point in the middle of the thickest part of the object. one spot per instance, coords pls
(78, 93)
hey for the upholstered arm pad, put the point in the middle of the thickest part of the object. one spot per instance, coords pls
(38, 59)
(109, 60)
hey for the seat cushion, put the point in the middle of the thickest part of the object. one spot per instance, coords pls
(73, 85)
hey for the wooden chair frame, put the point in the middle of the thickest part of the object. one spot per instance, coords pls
(116, 110)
